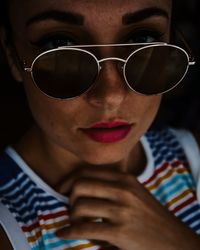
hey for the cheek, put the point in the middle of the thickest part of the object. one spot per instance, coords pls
(146, 108)
(54, 117)
(152, 109)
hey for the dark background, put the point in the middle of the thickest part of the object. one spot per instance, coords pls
(180, 108)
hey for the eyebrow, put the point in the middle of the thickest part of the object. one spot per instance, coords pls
(144, 14)
(61, 16)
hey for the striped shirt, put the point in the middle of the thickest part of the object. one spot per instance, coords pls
(31, 211)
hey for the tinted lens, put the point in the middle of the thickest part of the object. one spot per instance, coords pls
(156, 69)
(65, 73)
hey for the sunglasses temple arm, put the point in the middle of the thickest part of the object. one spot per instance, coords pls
(29, 70)
(192, 63)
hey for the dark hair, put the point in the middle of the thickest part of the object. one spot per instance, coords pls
(4, 20)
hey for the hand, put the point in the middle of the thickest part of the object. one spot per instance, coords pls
(131, 218)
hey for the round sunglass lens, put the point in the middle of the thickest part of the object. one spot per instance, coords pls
(65, 73)
(156, 69)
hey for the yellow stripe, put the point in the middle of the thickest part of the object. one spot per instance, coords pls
(55, 225)
(79, 247)
(164, 177)
(179, 197)
(34, 238)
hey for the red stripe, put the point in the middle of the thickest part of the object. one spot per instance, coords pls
(53, 215)
(44, 217)
(156, 172)
(177, 163)
(163, 167)
(183, 205)
(31, 227)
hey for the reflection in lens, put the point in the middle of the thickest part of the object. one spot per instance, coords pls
(65, 73)
(156, 69)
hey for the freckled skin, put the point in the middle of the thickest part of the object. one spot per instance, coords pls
(110, 99)
(99, 178)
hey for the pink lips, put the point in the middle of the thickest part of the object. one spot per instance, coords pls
(108, 132)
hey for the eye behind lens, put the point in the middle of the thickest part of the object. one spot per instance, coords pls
(65, 73)
(155, 69)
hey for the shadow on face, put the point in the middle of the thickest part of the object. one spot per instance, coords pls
(14, 110)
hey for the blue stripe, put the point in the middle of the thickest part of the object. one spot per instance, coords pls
(9, 189)
(12, 169)
(164, 195)
(21, 189)
(32, 215)
(53, 245)
(158, 160)
(196, 228)
(189, 211)
(30, 200)
(193, 219)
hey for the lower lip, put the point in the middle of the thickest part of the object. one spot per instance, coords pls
(108, 135)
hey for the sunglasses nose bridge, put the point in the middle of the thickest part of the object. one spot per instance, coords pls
(111, 59)
(120, 60)
(109, 89)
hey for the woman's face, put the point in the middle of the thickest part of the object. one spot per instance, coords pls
(68, 125)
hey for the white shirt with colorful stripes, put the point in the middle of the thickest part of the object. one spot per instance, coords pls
(31, 211)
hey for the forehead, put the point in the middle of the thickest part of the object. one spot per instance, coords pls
(86, 7)
(102, 18)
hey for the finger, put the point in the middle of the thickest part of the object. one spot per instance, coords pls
(100, 173)
(93, 209)
(100, 189)
(97, 173)
(88, 230)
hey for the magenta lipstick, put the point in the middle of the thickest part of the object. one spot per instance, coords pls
(108, 132)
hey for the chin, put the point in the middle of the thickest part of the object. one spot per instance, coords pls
(104, 157)
(102, 162)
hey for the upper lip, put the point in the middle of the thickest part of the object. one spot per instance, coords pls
(109, 125)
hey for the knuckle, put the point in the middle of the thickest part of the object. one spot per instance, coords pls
(80, 184)
(77, 208)
(125, 214)
(112, 212)
(126, 195)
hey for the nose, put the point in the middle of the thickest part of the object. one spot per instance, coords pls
(110, 88)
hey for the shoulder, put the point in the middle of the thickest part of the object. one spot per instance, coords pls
(9, 170)
(170, 141)
(172, 137)
(187, 139)
(178, 144)
(189, 143)
(191, 147)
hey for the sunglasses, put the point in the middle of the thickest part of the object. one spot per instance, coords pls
(148, 69)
